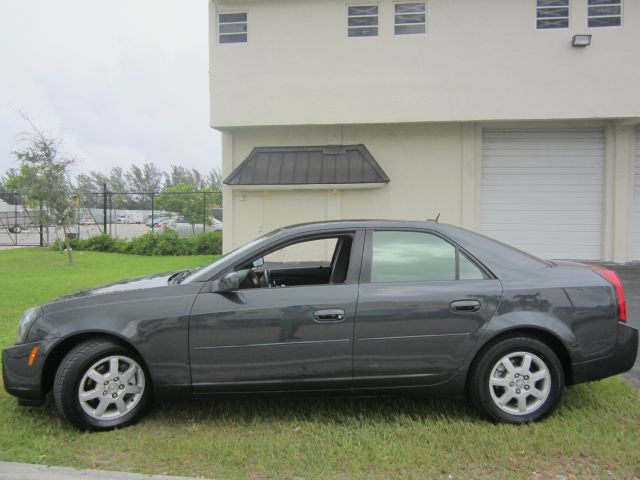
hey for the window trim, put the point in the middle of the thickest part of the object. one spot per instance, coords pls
(363, 4)
(367, 258)
(231, 12)
(405, 2)
(621, 4)
(535, 19)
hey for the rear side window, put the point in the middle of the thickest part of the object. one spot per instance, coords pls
(399, 256)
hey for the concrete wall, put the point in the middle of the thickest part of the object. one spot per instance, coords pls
(433, 167)
(479, 61)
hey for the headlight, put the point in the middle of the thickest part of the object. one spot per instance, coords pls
(26, 321)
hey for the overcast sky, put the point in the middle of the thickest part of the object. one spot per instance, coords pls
(121, 81)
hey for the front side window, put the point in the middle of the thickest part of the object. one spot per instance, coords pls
(418, 257)
(552, 14)
(605, 13)
(410, 18)
(232, 28)
(320, 261)
(362, 21)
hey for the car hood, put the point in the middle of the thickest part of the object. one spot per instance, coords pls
(139, 283)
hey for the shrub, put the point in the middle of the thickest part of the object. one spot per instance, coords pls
(209, 243)
(74, 243)
(102, 243)
(151, 243)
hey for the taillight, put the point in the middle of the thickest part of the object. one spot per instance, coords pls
(613, 279)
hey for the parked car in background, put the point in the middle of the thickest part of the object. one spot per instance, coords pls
(348, 307)
(186, 229)
(160, 223)
(155, 219)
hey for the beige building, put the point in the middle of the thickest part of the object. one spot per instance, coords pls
(494, 114)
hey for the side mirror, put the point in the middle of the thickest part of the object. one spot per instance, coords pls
(228, 283)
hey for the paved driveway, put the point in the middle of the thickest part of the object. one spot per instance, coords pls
(630, 276)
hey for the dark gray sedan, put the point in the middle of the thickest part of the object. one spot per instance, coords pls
(356, 307)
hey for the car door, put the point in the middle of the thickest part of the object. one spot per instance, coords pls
(423, 304)
(278, 338)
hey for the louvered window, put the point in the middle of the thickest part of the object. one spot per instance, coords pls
(362, 21)
(605, 13)
(552, 14)
(410, 18)
(232, 28)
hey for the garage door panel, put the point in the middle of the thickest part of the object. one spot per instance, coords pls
(541, 190)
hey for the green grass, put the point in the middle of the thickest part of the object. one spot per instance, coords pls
(594, 433)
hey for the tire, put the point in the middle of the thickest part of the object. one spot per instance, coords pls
(113, 382)
(517, 380)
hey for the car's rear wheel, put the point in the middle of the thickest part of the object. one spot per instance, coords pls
(517, 380)
(101, 385)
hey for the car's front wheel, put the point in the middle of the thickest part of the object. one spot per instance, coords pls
(517, 380)
(101, 385)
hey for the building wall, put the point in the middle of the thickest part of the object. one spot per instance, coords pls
(434, 168)
(478, 61)
(424, 162)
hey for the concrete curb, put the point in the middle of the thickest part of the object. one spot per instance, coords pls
(26, 471)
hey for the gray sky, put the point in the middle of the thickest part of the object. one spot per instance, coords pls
(121, 81)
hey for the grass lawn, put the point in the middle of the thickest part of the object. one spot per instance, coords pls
(595, 433)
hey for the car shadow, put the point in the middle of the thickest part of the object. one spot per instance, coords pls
(247, 410)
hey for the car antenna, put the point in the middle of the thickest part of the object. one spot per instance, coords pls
(434, 219)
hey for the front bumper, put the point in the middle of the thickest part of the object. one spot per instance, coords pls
(20, 379)
(621, 360)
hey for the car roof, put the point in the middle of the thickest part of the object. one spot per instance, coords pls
(502, 259)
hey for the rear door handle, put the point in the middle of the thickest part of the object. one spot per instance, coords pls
(465, 306)
(331, 315)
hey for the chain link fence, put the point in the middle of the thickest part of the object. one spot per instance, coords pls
(118, 214)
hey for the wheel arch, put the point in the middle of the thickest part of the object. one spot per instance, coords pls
(552, 341)
(62, 348)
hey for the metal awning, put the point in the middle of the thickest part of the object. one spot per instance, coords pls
(325, 167)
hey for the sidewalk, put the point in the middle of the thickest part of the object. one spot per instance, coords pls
(24, 471)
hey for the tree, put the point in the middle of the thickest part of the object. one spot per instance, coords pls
(91, 185)
(43, 179)
(213, 183)
(178, 174)
(182, 199)
(9, 186)
(146, 179)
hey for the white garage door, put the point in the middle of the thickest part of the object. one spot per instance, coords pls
(542, 190)
(636, 202)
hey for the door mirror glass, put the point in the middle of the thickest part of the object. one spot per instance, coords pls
(258, 262)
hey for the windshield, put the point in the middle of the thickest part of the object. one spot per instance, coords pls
(238, 252)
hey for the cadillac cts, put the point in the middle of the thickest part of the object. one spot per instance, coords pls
(357, 307)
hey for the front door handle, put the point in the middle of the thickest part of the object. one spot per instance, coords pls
(330, 315)
(465, 306)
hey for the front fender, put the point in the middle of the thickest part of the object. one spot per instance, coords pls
(155, 324)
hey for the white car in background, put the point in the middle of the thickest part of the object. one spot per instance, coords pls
(186, 229)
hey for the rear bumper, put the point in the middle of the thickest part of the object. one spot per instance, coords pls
(20, 379)
(621, 360)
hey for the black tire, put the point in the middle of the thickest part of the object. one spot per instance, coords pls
(487, 368)
(71, 372)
